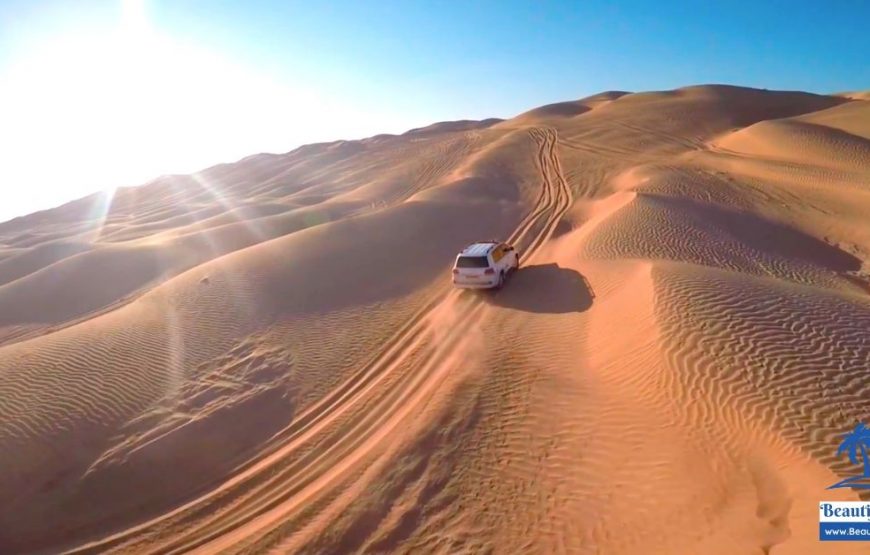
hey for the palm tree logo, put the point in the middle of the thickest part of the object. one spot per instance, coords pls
(858, 441)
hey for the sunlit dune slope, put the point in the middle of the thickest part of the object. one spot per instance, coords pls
(793, 140)
(856, 95)
(568, 109)
(269, 355)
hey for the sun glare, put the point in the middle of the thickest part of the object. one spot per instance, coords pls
(93, 110)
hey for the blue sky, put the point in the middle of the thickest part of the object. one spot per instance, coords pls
(207, 81)
(497, 58)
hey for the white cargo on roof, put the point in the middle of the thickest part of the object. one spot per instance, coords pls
(479, 249)
(484, 265)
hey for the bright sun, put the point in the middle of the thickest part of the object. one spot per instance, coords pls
(92, 110)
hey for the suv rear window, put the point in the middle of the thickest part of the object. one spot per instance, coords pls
(472, 262)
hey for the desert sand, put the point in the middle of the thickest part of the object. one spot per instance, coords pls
(268, 355)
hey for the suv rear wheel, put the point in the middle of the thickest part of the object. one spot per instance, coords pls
(500, 283)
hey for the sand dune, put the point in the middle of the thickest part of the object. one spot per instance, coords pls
(268, 355)
(793, 141)
(568, 109)
(856, 95)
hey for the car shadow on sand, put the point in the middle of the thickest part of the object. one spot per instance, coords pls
(544, 288)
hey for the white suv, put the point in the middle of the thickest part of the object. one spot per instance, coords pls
(484, 265)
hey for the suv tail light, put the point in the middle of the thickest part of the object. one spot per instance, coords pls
(455, 270)
(489, 271)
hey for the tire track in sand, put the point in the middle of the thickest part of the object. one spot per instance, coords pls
(323, 445)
